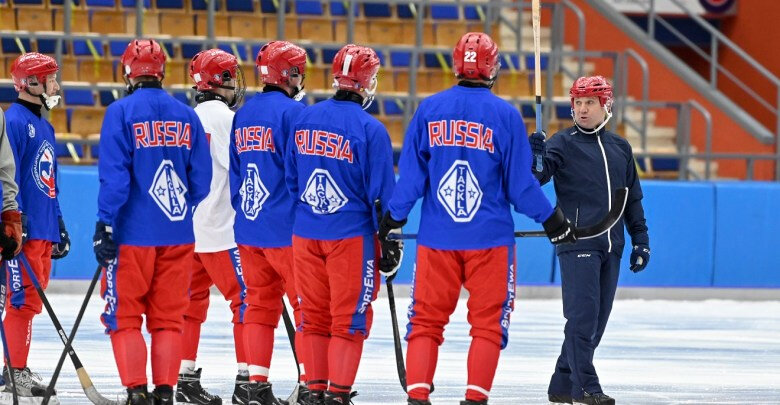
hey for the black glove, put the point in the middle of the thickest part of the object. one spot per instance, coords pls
(559, 229)
(538, 148)
(103, 244)
(392, 250)
(7, 244)
(640, 256)
(61, 249)
(24, 228)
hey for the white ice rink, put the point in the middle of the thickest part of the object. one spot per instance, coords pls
(654, 352)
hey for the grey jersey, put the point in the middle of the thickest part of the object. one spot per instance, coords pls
(7, 169)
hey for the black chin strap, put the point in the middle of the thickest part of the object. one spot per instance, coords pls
(470, 84)
(344, 95)
(203, 96)
(154, 84)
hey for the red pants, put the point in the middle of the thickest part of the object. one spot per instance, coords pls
(268, 273)
(337, 281)
(222, 269)
(23, 301)
(487, 274)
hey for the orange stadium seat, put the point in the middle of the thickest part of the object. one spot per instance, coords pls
(79, 20)
(59, 120)
(33, 19)
(290, 28)
(250, 74)
(150, 21)
(408, 33)
(317, 77)
(361, 31)
(221, 25)
(248, 26)
(176, 72)
(177, 24)
(385, 31)
(69, 69)
(108, 22)
(316, 29)
(86, 120)
(96, 70)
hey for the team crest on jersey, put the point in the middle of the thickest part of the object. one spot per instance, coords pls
(30, 130)
(253, 193)
(43, 170)
(168, 191)
(322, 193)
(459, 192)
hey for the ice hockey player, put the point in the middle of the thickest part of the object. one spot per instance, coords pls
(338, 163)
(588, 163)
(31, 139)
(465, 152)
(265, 211)
(154, 169)
(220, 86)
(11, 217)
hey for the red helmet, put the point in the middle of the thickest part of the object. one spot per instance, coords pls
(277, 61)
(211, 68)
(143, 57)
(593, 86)
(475, 56)
(355, 68)
(32, 64)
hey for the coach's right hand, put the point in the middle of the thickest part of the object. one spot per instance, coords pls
(559, 229)
(103, 244)
(392, 249)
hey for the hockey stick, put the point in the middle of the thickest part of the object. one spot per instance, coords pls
(74, 328)
(588, 232)
(86, 383)
(535, 19)
(288, 325)
(399, 353)
(6, 351)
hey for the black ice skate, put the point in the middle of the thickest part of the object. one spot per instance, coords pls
(241, 391)
(411, 401)
(559, 398)
(339, 398)
(162, 395)
(27, 383)
(315, 397)
(598, 398)
(303, 395)
(138, 396)
(189, 391)
(260, 393)
(470, 402)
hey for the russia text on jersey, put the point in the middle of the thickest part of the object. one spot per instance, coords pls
(323, 143)
(460, 133)
(257, 138)
(162, 133)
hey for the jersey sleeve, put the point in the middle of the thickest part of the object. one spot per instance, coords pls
(7, 170)
(291, 165)
(553, 158)
(380, 174)
(412, 168)
(199, 165)
(234, 170)
(524, 191)
(114, 165)
(635, 213)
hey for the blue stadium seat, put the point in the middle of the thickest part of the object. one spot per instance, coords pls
(337, 8)
(106, 97)
(563, 110)
(381, 10)
(256, 50)
(61, 150)
(170, 4)
(268, 6)
(471, 13)
(188, 50)
(444, 12)
(80, 48)
(400, 58)
(7, 94)
(48, 46)
(506, 60)
(528, 111)
(432, 61)
(9, 45)
(132, 3)
(308, 7)
(241, 48)
(54, 2)
(30, 2)
(543, 59)
(665, 164)
(328, 55)
(381, 55)
(204, 5)
(79, 97)
(101, 3)
(240, 5)
(392, 107)
(117, 48)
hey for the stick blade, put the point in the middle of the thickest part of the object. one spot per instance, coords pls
(618, 206)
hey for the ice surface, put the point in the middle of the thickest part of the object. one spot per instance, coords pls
(653, 352)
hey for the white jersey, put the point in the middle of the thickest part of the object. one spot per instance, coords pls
(213, 219)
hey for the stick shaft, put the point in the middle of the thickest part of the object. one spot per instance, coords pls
(536, 20)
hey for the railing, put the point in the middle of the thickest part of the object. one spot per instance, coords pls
(716, 39)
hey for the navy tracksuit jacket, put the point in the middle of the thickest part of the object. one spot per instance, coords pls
(587, 169)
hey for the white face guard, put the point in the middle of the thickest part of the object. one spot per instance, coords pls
(48, 102)
(370, 93)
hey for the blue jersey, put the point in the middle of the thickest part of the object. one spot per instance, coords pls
(258, 140)
(466, 153)
(31, 138)
(338, 163)
(154, 168)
